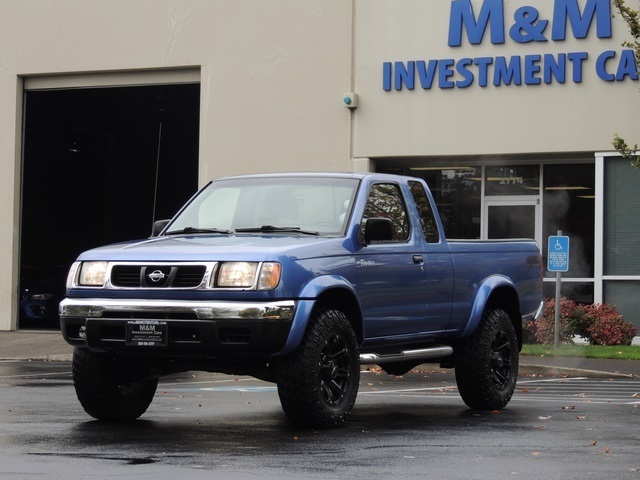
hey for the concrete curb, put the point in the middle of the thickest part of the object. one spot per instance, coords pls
(547, 370)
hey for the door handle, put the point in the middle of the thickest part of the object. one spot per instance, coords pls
(418, 259)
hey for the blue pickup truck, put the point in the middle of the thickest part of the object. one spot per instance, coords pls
(299, 279)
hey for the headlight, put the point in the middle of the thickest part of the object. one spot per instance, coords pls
(92, 274)
(40, 297)
(246, 275)
(237, 274)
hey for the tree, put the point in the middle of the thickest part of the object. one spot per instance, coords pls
(632, 19)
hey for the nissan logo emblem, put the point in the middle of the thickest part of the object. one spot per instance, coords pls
(156, 276)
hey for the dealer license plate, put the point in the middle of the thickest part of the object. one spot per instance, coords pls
(146, 333)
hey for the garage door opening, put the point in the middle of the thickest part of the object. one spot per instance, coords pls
(99, 166)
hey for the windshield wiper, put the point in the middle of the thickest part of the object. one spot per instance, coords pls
(198, 230)
(271, 228)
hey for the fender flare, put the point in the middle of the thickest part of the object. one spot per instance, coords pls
(483, 293)
(305, 304)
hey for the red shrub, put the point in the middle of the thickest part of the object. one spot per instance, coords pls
(601, 324)
(607, 327)
(570, 313)
(529, 330)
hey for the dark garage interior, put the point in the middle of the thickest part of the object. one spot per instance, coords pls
(99, 166)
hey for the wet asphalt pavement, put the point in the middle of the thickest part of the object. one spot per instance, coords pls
(49, 345)
(203, 425)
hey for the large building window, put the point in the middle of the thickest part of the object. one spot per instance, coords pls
(621, 226)
(621, 238)
(624, 295)
(569, 202)
(457, 193)
(569, 205)
(511, 201)
(512, 180)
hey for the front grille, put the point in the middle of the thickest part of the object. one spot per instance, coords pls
(157, 276)
(125, 276)
(189, 276)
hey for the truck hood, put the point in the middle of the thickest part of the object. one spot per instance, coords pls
(203, 247)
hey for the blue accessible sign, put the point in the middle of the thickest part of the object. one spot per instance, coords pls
(558, 254)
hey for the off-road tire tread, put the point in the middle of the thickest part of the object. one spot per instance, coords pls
(297, 374)
(94, 378)
(472, 367)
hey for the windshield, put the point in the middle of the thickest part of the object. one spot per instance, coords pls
(270, 204)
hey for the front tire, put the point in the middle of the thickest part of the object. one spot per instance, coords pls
(102, 391)
(318, 383)
(486, 363)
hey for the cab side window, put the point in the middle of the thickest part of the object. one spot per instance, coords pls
(385, 201)
(427, 218)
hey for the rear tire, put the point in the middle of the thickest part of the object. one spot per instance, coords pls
(318, 383)
(486, 363)
(102, 392)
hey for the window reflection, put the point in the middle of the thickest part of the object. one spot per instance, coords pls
(456, 192)
(569, 204)
(512, 180)
(385, 201)
(427, 218)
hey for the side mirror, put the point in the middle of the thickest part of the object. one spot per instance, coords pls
(378, 230)
(158, 226)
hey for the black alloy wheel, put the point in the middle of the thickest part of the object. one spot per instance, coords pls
(318, 382)
(486, 363)
(334, 370)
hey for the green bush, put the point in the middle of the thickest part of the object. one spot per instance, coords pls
(600, 324)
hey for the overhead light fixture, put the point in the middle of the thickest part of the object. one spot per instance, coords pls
(506, 179)
(74, 148)
(567, 188)
(441, 168)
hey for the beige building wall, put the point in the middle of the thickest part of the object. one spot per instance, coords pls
(272, 76)
(569, 117)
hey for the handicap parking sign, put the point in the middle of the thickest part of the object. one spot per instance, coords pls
(558, 254)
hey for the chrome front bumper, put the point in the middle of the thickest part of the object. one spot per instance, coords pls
(190, 328)
(95, 308)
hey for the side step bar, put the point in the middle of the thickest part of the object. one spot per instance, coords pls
(419, 354)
